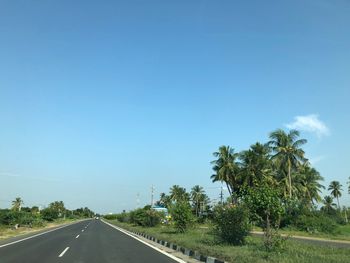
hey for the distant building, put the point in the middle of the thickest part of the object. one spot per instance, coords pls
(160, 209)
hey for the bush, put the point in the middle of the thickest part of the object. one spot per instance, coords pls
(7, 217)
(316, 223)
(231, 224)
(20, 217)
(182, 216)
(145, 217)
(49, 214)
(123, 217)
(111, 217)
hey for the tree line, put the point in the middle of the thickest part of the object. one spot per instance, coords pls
(18, 215)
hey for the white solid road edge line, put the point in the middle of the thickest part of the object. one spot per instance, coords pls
(40, 234)
(64, 251)
(138, 239)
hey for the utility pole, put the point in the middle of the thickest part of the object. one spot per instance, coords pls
(152, 194)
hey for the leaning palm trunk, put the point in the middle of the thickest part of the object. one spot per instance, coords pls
(230, 192)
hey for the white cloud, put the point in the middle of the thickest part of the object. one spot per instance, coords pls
(309, 123)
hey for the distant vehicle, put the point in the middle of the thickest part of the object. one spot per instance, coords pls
(97, 218)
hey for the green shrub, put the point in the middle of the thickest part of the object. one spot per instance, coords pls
(110, 217)
(153, 218)
(182, 216)
(49, 214)
(145, 217)
(22, 218)
(7, 217)
(316, 223)
(231, 224)
(123, 217)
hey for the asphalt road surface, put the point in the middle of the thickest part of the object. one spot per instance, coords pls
(86, 241)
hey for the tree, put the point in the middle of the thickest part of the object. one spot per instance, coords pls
(197, 196)
(335, 188)
(182, 215)
(328, 205)
(265, 206)
(178, 193)
(165, 200)
(255, 165)
(35, 210)
(287, 152)
(348, 182)
(226, 168)
(57, 206)
(17, 204)
(308, 184)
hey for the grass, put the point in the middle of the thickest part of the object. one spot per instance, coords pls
(7, 232)
(202, 240)
(342, 233)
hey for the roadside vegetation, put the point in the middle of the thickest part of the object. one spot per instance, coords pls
(20, 220)
(273, 188)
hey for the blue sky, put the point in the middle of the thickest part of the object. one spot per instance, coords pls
(101, 99)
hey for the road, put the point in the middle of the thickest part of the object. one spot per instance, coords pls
(86, 241)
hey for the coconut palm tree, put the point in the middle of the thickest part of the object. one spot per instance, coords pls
(226, 168)
(255, 165)
(197, 196)
(307, 184)
(335, 188)
(178, 193)
(328, 204)
(165, 200)
(17, 204)
(287, 151)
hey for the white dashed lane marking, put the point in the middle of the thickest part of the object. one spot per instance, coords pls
(64, 251)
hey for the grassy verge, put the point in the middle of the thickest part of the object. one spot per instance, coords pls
(7, 232)
(342, 233)
(202, 240)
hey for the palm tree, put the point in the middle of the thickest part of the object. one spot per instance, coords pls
(287, 152)
(307, 184)
(335, 188)
(255, 165)
(165, 200)
(178, 193)
(226, 168)
(328, 204)
(17, 204)
(197, 196)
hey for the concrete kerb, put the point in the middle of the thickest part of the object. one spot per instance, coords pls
(185, 251)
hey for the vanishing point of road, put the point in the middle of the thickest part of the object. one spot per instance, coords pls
(90, 241)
